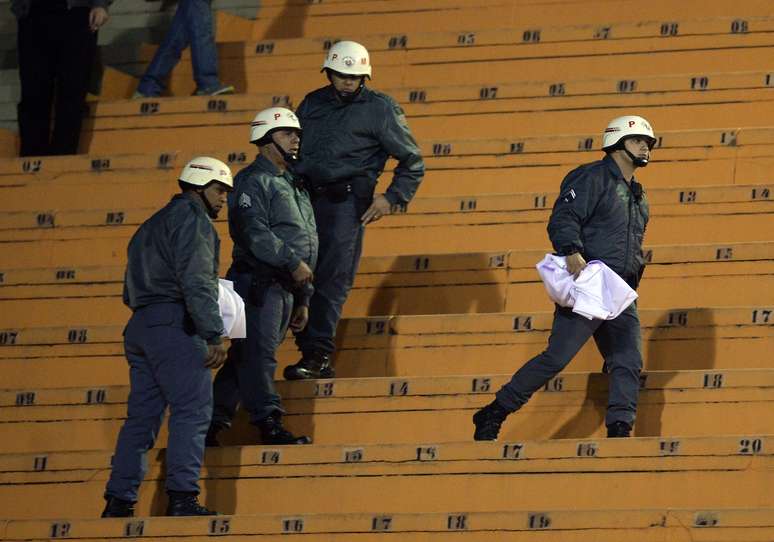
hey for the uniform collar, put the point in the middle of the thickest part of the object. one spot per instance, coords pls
(614, 169)
(193, 198)
(333, 97)
(261, 162)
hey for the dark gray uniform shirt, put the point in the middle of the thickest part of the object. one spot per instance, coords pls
(603, 217)
(173, 258)
(271, 220)
(353, 140)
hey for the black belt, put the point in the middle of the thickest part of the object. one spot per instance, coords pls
(264, 275)
(338, 187)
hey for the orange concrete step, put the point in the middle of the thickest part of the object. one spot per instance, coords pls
(46, 477)
(691, 25)
(397, 235)
(737, 525)
(96, 365)
(60, 207)
(308, 23)
(239, 110)
(231, 128)
(475, 483)
(702, 403)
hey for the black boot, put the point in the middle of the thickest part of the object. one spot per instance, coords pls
(117, 508)
(315, 364)
(488, 421)
(272, 432)
(182, 503)
(211, 440)
(618, 430)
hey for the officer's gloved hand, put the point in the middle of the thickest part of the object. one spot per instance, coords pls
(216, 355)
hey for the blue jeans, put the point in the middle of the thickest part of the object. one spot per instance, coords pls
(341, 241)
(618, 341)
(191, 25)
(166, 369)
(248, 374)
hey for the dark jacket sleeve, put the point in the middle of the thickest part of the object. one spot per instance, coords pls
(125, 294)
(301, 111)
(193, 242)
(251, 219)
(578, 197)
(396, 139)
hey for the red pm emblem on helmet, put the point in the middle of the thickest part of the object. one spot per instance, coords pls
(277, 116)
(632, 123)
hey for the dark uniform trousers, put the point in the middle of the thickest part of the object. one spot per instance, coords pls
(248, 374)
(166, 363)
(618, 341)
(341, 241)
(56, 52)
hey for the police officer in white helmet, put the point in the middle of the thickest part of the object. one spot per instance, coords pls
(271, 222)
(350, 131)
(601, 214)
(172, 340)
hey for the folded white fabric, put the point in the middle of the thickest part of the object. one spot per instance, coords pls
(598, 292)
(232, 310)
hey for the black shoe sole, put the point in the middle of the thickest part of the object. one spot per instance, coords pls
(296, 441)
(112, 515)
(291, 374)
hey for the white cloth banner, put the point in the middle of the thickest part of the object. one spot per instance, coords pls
(232, 310)
(598, 292)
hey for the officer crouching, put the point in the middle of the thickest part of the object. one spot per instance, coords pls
(271, 221)
(172, 340)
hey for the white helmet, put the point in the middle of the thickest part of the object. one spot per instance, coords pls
(272, 119)
(622, 127)
(203, 170)
(349, 58)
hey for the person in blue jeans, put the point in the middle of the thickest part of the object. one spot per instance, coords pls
(191, 26)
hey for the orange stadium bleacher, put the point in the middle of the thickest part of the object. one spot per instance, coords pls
(504, 98)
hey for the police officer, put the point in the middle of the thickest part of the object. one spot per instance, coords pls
(275, 252)
(349, 132)
(601, 214)
(172, 340)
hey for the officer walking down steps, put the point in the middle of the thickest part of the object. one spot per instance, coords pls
(275, 252)
(601, 214)
(172, 340)
(349, 132)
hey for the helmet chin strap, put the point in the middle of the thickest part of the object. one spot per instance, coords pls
(288, 157)
(636, 160)
(211, 212)
(348, 96)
